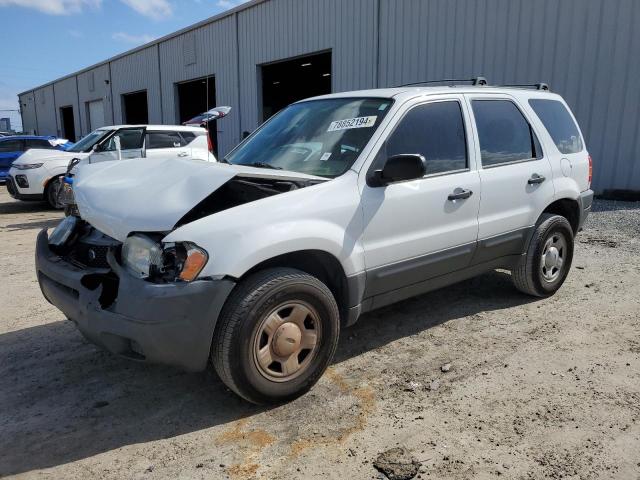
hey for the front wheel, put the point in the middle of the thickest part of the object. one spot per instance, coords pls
(276, 335)
(52, 193)
(544, 268)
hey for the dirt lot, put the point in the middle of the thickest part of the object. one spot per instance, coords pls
(536, 389)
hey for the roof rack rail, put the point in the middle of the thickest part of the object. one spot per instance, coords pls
(537, 86)
(474, 81)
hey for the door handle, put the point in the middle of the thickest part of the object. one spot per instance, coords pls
(183, 154)
(536, 179)
(459, 194)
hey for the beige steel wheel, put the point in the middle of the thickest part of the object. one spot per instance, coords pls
(286, 341)
(276, 335)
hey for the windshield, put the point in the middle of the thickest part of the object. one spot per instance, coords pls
(318, 137)
(89, 141)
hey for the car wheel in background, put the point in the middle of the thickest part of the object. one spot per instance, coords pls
(52, 193)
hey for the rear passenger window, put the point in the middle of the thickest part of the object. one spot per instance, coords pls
(435, 131)
(164, 140)
(505, 135)
(558, 122)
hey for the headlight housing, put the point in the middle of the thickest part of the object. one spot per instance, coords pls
(146, 258)
(141, 256)
(27, 166)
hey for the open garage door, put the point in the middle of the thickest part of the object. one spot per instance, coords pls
(292, 80)
(68, 123)
(195, 97)
(135, 108)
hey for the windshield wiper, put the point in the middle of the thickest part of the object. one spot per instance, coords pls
(264, 165)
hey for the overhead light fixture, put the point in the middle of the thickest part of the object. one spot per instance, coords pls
(276, 83)
(306, 64)
(326, 74)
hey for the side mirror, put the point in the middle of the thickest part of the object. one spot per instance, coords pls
(399, 168)
(97, 148)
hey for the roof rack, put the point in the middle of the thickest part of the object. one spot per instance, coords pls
(537, 86)
(474, 81)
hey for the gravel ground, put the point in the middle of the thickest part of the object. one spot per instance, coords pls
(534, 388)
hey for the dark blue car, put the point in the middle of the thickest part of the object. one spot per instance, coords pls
(14, 146)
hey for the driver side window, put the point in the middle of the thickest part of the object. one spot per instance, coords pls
(435, 131)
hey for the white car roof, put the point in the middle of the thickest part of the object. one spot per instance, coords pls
(405, 93)
(162, 128)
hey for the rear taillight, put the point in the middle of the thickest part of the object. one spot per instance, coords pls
(590, 170)
(210, 143)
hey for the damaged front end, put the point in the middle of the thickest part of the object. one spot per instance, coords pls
(111, 271)
(145, 318)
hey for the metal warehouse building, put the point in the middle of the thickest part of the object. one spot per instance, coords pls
(267, 53)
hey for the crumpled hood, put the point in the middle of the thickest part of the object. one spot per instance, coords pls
(143, 195)
(37, 155)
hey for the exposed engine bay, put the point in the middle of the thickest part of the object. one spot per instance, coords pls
(240, 190)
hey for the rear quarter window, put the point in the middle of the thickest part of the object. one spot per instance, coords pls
(556, 119)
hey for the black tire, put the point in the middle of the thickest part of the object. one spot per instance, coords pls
(51, 193)
(531, 275)
(236, 338)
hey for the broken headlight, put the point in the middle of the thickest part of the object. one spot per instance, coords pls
(146, 258)
(141, 256)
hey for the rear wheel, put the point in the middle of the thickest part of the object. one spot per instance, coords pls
(544, 268)
(276, 335)
(52, 193)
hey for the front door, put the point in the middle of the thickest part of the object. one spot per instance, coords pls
(515, 174)
(124, 143)
(423, 228)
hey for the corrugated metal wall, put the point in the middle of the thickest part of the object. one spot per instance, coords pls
(587, 50)
(28, 112)
(281, 29)
(215, 54)
(135, 72)
(66, 93)
(92, 86)
(45, 111)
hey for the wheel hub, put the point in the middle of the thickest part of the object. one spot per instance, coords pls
(553, 256)
(287, 339)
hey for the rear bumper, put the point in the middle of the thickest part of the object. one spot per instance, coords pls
(170, 324)
(585, 200)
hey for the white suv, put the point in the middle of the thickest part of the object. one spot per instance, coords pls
(336, 206)
(37, 174)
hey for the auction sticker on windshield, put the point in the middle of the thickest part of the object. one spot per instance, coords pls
(347, 123)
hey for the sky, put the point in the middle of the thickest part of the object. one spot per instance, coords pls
(41, 40)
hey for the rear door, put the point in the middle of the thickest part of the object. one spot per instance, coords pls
(165, 144)
(516, 175)
(131, 142)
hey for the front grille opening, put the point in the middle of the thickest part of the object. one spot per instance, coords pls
(109, 283)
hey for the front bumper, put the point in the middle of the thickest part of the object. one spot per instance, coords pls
(585, 201)
(15, 192)
(171, 324)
